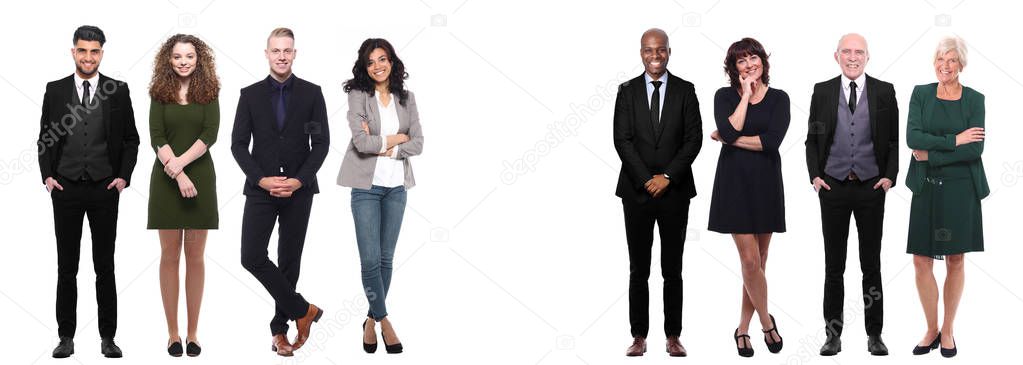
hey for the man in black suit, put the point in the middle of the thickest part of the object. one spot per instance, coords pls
(285, 117)
(88, 145)
(657, 133)
(852, 157)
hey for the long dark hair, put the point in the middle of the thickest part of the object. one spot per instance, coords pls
(742, 48)
(360, 77)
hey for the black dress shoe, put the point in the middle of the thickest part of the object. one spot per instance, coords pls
(368, 347)
(109, 348)
(876, 346)
(175, 349)
(193, 349)
(65, 348)
(949, 352)
(392, 349)
(920, 350)
(832, 346)
(743, 351)
(774, 347)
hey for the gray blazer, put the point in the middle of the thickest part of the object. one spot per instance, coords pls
(361, 157)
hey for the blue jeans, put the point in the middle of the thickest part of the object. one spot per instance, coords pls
(377, 213)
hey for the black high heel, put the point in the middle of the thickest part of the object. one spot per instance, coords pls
(774, 347)
(391, 349)
(192, 349)
(175, 349)
(368, 347)
(949, 352)
(743, 351)
(920, 350)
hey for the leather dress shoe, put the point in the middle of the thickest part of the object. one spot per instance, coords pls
(638, 347)
(674, 347)
(109, 348)
(876, 346)
(65, 348)
(832, 346)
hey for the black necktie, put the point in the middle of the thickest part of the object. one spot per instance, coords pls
(852, 97)
(655, 104)
(85, 95)
(281, 113)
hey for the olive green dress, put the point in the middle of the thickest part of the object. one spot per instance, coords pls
(180, 126)
(945, 214)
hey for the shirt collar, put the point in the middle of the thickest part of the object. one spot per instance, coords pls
(286, 84)
(860, 82)
(663, 79)
(92, 81)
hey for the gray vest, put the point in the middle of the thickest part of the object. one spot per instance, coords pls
(85, 147)
(853, 147)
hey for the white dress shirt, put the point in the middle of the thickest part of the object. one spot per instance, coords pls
(93, 84)
(390, 172)
(650, 91)
(861, 84)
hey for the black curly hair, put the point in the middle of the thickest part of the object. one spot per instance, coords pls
(360, 77)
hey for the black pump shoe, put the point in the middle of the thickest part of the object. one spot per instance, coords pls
(920, 350)
(368, 347)
(950, 352)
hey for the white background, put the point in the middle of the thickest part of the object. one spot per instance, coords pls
(496, 266)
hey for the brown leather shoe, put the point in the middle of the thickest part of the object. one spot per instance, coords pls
(313, 314)
(281, 346)
(674, 347)
(638, 347)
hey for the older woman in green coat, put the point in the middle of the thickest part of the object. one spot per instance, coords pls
(946, 132)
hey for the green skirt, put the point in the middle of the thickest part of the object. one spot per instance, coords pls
(945, 218)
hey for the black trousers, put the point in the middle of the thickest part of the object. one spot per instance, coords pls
(859, 199)
(292, 215)
(671, 216)
(70, 207)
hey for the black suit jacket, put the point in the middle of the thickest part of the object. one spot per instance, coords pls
(670, 150)
(299, 149)
(59, 116)
(884, 126)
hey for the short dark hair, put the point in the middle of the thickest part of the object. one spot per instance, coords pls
(89, 33)
(742, 48)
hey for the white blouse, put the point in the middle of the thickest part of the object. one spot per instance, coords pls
(390, 172)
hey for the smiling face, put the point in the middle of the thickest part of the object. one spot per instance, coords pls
(654, 51)
(280, 53)
(378, 66)
(750, 66)
(852, 56)
(183, 59)
(87, 56)
(947, 67)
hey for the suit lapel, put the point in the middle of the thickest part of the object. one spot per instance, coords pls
(672, 102)
(643, 105)
(832, 104)
(107, 120)
(266, 104)
(872, 101)
(289, 111)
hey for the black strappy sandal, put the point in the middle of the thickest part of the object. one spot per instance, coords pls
(774, 347)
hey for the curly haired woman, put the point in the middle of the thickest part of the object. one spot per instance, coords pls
(184, 116)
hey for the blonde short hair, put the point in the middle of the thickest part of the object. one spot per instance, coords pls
(952, 43)
(281, 32)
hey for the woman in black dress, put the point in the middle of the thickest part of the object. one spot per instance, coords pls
(748, 199)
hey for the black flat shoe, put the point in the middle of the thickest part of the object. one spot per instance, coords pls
(950, 352)
(368, 347)
(193, 349)
(920, 350)
(65, 348)
(774, 347)
(175, 349)
(743, 351)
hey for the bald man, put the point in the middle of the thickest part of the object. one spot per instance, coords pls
(657, 131)
(851, 155)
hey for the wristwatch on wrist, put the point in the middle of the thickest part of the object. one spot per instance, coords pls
(666, 176)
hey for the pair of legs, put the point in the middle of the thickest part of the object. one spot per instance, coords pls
(71, 206)
(671, 216)
(753, 256)
(378, 214)
(292, 218)
(172, 243)
(927, 288)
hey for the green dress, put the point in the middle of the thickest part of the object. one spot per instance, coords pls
(180, 126)
(945, 214)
